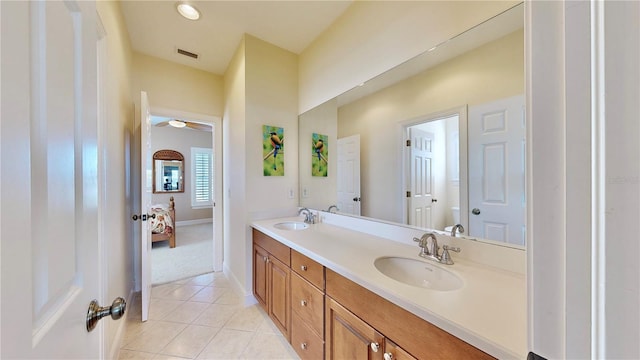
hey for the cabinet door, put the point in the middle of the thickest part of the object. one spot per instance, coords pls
(279, 295)
(348, 337)
(395, 352)
(260, 263)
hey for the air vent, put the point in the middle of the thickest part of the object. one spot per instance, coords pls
(187, 53)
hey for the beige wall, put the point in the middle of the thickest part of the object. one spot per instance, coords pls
(491, 72)
(177, 87)
(374, 36)
(119, 245)
(260, 89)
(181, 140)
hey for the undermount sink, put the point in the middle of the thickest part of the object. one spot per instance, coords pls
(291, 225)
(418, 273)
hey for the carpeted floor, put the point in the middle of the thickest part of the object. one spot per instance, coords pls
(193, 254)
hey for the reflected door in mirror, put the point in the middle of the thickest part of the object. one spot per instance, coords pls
(349, 175)
(496, 170)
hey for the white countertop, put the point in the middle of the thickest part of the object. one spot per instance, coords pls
(488, 312)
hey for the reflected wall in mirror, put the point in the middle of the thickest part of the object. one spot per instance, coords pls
(168, 171)
(458, 78)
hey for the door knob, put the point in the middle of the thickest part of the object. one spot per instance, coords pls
(475, 211)
(434, 200)
(96, 312)
(357, 198)
(143, 217)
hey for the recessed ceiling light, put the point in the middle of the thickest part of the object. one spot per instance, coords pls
(177, 123)
(188, 11)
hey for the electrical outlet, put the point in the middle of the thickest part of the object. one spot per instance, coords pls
(305, 192)
(291, 194)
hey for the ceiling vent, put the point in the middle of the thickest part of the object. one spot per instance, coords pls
(187, 53)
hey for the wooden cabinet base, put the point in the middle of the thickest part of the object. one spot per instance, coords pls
(415, 335)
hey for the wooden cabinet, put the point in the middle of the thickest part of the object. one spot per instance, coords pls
(395, 352)
(307, 303)
(271, 280)
(416, 336)
(348, 337)
(327, 316)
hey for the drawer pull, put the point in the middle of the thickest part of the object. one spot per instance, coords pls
(303, 346)
(388, 356)
(375, 346)
(303, 302)
(303, 267)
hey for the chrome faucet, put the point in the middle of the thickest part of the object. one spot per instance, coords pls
(309, 217)
(430, 249)
(457, 227)
(332, 207)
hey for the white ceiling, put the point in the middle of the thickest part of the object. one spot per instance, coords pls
(156, 28)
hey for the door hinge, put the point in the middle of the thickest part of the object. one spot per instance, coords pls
(408, 193)
(408, 142)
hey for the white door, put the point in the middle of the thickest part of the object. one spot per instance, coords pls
(349, 198)
(421, 178)
(49, 184)
(496, 170)
(146, 185)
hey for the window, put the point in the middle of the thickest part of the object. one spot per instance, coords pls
(201, 177)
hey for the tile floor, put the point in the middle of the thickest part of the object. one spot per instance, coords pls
(201, 318)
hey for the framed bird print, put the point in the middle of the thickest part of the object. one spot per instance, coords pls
(273, 150)
(319, 154)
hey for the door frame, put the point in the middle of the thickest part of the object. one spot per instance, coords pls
(218, 223)
(404, 156)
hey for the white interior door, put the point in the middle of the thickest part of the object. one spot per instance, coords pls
(146, 186)
(421, 179)
(349, 198)
(496, 170)
(49, 185)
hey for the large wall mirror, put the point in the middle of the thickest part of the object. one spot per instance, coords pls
(434, 142)
(168, 171)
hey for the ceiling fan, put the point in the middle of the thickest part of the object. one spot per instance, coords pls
(183, 123)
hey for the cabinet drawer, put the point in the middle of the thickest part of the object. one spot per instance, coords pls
(308, 303)
(308, 269)
(274, 247)
(304, 341)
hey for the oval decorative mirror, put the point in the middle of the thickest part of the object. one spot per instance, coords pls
(168, 171)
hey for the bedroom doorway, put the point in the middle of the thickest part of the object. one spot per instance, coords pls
(197, 211)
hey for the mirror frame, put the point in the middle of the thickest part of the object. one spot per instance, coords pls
(170, 155)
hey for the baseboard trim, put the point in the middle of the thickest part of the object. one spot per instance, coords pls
(194, 222)
(247, 297)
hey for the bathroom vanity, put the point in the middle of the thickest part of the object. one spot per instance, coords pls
(324, 288)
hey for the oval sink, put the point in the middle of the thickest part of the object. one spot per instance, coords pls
(418, 273)
(291, 225)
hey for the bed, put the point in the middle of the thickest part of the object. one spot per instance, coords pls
(163, 225)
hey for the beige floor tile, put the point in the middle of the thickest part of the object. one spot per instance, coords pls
(159, 308)
(227, 344)
(220, 281)
(229, 298)
(190, 342)
(186, 312)
(156, 337)
(204, 280)
(167, 357)
(161, 291)
(184, 292)
(269, 346)
(134, 355)
(216, 315)
(208, 294)
(247, 319)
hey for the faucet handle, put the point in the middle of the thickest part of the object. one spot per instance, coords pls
(446, 257)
